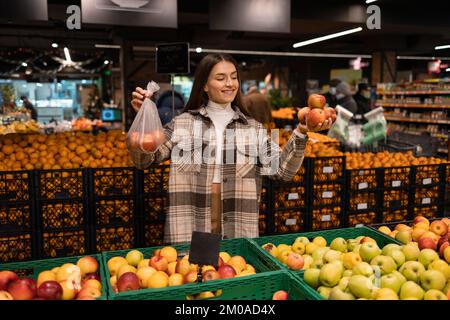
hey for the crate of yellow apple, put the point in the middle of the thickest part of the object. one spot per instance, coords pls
(72, 278)
(152, 273)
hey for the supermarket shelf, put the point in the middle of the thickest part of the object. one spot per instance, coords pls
(415, 92)
(402, 119)
(441, 150)
(413, 105)
(419, 133)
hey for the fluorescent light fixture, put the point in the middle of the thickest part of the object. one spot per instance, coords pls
(447, 46)
(39, 84)
(448, 69)
(198, 49)
(421, 58)
(106, 62)
(330, 36)
(67, 54)
(83, 81)
(24, 64)
(28, 71)
(54, 45)
(370, 1)
(107, 46)
(24, 85)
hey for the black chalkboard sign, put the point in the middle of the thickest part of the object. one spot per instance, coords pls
(172, 58)
(205, 248)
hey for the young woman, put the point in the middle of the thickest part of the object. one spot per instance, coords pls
(218, 157)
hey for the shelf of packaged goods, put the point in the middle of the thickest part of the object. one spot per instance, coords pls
(404, 92)
(440, 136)
(413, 105)
(442, 150)
(403, 119)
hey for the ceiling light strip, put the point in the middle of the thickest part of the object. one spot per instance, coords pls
(421, 58)
(330, 36)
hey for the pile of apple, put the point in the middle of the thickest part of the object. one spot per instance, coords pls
(434, 235)
(164, 268)
(359, 269)
(79, 281)
(316, 113)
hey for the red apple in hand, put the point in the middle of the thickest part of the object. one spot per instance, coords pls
(22, 289)
(302, 115)
(6, 277)
(50, 290)
(314, 118)
(316, 101)
(330, 113)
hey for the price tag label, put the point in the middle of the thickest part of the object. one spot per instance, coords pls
(327, 169)
(326, 218)
(427, 181)
(293, 196)
(359, 225)
(362, 206)
(291, 222)
(363, 185)
(361, 172)
(327, 194)
(426, 200)
(396, 183)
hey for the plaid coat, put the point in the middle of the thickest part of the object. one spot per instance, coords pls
(248, 152)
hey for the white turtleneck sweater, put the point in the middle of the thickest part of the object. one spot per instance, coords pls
(221, 115)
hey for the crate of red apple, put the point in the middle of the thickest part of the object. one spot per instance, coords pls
(151, 273)
(428, 234)
(71, 278)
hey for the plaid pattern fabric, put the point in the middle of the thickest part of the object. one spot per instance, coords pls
(190, 144)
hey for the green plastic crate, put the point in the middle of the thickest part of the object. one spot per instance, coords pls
(238, 246)
(329, 235)
(33, 268)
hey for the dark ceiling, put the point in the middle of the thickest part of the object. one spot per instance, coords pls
(407, 27)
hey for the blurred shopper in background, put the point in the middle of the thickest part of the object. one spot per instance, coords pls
(29, 106)
(258, 105)
(362, 98)
(345, 97)
(330, 96)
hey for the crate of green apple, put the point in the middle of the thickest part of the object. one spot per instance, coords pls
(154, 273)
(69, 278)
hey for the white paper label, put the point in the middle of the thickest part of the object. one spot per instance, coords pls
(291, 222)
(293, 196)
(363, 185)
(359, 225)
(326, 218)
(426, 200)
(362, 206)
(361, 173)
(427, 181)
(327, 169)
(327, 194)
(396, 183)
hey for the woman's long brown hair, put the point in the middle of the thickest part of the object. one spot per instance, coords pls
(198, 96)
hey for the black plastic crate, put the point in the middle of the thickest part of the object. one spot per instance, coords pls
(391, 215)
(288, 221)
(262, 224)
(426, 195)
(153, 234)
(62, 214)
(61, 184)
(115, 238)
(361, 217)
(396, 177)
(362, 201)
(328, 217)
(112, 182)
(114, 212)
(325, 169)
(16, 216)
(327, 195)
(17, 246)
(428, 175)
(155, 178)
(16, 186)
(394, 198)
(64, 243)
(363, 179)
(288, 197)
(430, 212)
(154, 208)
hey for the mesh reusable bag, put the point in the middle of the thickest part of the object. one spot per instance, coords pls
(146, 132)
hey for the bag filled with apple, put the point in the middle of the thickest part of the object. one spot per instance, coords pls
(146, 133)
